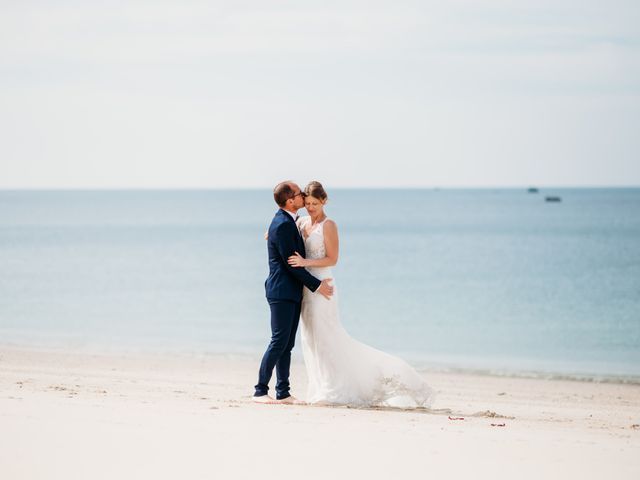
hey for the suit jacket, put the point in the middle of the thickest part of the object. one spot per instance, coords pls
(285, 282)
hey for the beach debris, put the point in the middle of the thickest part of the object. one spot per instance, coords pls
(490, 414)
(635, 426)
(455, 418)
(60, 388)
(498, 424)
(502, 393)
(438, 411)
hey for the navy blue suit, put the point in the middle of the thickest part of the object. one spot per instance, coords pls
(283, 289)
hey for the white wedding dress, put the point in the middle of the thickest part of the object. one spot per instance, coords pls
(341, 370)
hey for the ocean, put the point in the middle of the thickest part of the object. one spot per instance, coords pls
(491, 280)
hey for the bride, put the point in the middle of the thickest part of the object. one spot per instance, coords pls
(341, 370)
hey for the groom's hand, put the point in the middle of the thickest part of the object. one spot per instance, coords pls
(325, 289)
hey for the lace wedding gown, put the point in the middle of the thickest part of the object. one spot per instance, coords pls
(341, 370)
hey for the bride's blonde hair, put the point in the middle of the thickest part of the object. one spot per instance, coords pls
(316, 190)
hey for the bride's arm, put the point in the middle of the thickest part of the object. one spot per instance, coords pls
(331, 247)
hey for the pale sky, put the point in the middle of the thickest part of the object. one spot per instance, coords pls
(226, 94)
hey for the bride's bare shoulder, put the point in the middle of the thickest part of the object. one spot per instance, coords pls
(330, 225)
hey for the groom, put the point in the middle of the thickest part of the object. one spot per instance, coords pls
(284, 292)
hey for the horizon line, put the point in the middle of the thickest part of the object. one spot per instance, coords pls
(367, 187)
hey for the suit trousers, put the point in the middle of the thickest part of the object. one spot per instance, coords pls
(285, 317)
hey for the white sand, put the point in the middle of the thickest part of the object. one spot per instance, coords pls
(74, 415)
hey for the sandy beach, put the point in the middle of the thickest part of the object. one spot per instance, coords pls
(68, 414)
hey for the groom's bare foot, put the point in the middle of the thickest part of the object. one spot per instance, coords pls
(266, 399)
(290, 400)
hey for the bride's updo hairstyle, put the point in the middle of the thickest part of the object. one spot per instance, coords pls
(316, 190)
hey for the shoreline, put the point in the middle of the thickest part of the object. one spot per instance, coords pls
(255, 356)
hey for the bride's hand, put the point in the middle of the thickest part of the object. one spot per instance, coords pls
(297, 260)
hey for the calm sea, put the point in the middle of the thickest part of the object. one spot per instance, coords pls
(495, 280)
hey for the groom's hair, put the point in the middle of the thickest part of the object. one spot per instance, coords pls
(282, 193)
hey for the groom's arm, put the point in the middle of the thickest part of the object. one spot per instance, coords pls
(285, 244)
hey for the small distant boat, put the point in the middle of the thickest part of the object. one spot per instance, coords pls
(552, 199)
(532, 190)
